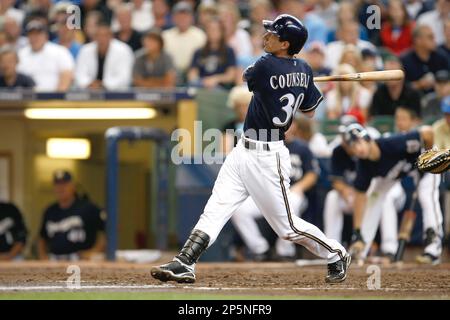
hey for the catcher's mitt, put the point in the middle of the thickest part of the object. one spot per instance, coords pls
(434, 161)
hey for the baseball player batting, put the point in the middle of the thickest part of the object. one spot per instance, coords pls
(259, 165)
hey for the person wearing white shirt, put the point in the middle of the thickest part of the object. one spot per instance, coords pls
(104, 63)
(142, 18)
(435, 19)
(184, 39)
(50, 65)
(348, 33)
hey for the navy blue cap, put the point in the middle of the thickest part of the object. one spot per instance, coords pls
(61, 176)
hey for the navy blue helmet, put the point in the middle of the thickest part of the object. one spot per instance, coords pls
(288, 28)
(354, 132)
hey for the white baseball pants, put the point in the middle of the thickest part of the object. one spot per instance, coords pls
(333, 214)
(428, 196)
(244, 220)
(264, 176)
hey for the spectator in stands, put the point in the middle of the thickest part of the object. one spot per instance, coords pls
(369, 64)
(50, 65)
(348, 33)
(396, 31)
(441, 127)
(406, 119)
(13, 32)
(161, 15)
(104, 63)
(184, 39)
(73, 227)
(9, 77)
(347, 97)
(317, 30)
(435, 19)
(236, 37)
(433, 100)
(7, 10)
(205, 12)
(87, 6)
(153, 67)
(257, 45)
(315, 56)
(260, 10)
(423, 61)
(391, 94)
(91, 22)
(351, 55)
(328, 10)
(13, 233)
(347, 11)
(238, 100)
(417, 7)
(444, 48)
(126, 33)
(213, 65)
(142, 15)
(65, 35)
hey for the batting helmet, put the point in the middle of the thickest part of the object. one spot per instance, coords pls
(354, 132)
(288, 28)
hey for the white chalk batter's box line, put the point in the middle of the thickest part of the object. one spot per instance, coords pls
(167, 286)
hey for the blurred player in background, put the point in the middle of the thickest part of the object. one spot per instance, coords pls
(73, 227)
(381, 163)
(13, 233)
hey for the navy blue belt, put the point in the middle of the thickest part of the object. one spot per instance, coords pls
(253, 145)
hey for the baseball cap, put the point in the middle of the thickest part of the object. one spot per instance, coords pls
(368, 53)
(61, 176)
(445, 105)
(36, 25)
(442, 76)
(182, 6)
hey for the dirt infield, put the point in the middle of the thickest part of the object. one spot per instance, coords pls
(273, 280)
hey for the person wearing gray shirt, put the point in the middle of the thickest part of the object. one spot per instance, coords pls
(153, 68)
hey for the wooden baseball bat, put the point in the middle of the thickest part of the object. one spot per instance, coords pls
(404, 235)
(387, 75)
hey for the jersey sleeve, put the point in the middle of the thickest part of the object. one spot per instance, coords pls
(363, 176)
(402, 145)
(313, 96)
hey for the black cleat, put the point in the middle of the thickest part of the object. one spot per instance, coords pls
(337, 271)
(174, 271)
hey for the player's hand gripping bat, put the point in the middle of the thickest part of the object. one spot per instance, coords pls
(404, 235)
(387, 75)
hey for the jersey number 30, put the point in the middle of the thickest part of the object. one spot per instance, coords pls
(290, 108)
